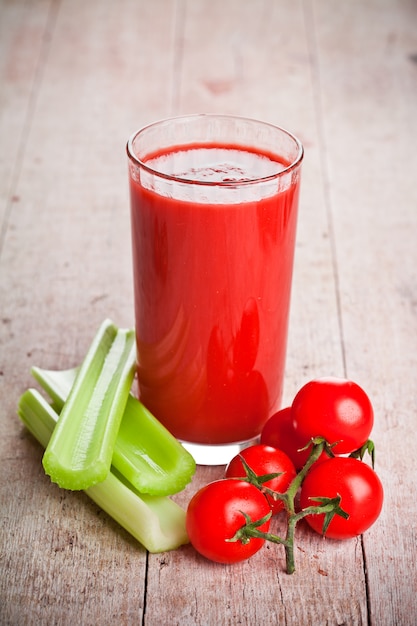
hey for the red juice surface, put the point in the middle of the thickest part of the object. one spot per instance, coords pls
(212, 290)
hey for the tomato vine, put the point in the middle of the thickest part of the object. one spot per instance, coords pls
(340, 496)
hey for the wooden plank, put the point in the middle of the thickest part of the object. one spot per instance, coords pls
(369, 96)
(23, 41)
(65, 266)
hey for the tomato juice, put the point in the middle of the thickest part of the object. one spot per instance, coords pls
(212, 298)
(213, 236)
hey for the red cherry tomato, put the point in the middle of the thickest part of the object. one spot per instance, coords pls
(214, 515)
(264, 460)
(359, 487)
(280, 433)
(336, 409)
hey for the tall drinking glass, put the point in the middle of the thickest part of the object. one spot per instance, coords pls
(214, 203)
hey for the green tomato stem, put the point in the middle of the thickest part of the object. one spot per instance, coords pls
(328, 506)
(289, 497)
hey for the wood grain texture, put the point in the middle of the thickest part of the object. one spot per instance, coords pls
(373, 201)
(76, 79)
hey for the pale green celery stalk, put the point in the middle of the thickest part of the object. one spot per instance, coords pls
(145, 452)
(80, 450)
(157, 522)
(56, 383)
(148, 455)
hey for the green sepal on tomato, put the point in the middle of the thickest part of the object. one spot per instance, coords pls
(218, 511)
(358, 486)
(271, 470)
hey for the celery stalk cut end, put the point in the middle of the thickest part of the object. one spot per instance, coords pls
(73, 479)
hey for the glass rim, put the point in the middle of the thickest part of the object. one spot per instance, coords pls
(182, 179)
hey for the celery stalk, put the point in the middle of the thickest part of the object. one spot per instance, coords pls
(157, 522)
(56, 383)
(80, 450)
(145, 453)
(148, 455)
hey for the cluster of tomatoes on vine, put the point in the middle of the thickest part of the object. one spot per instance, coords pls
(309, 464)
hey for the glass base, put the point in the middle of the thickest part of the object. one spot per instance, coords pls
(206, 454)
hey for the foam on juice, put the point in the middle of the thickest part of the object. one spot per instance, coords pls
(216, 165)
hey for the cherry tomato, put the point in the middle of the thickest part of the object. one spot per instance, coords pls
(359, 487)
(214, 515)
(280, 433)
(264, 460)
(336, 409)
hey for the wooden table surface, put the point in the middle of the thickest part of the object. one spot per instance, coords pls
(77, 78)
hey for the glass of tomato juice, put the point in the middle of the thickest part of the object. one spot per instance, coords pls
(214, 201)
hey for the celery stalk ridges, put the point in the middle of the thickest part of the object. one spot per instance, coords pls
(80, 450)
